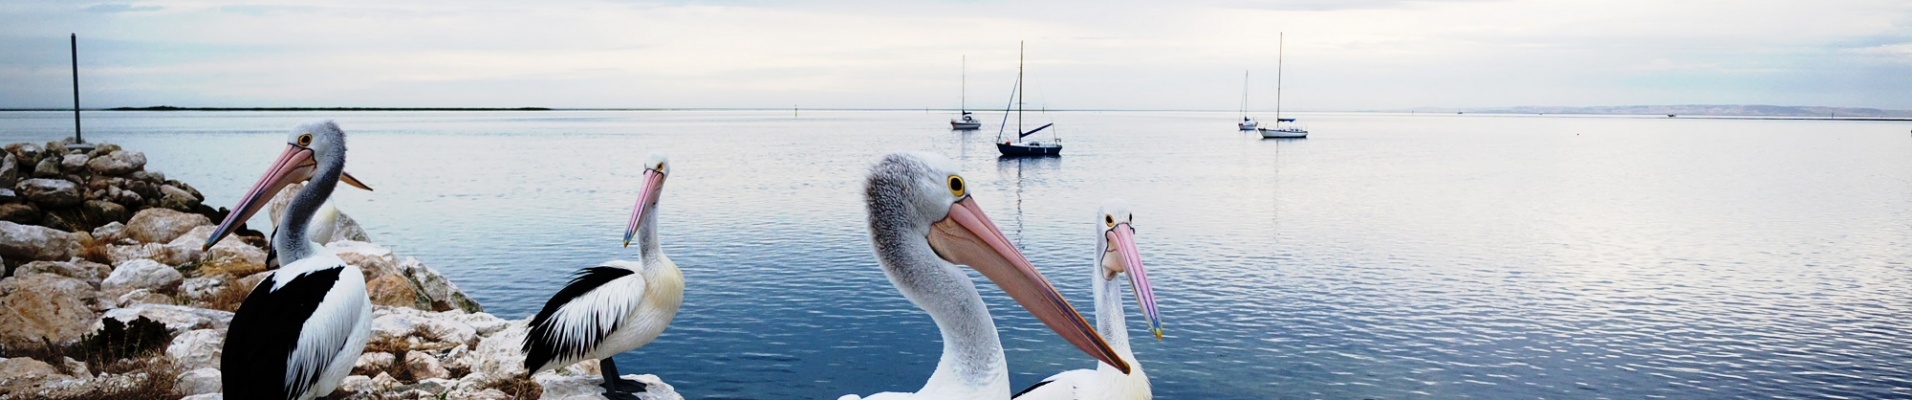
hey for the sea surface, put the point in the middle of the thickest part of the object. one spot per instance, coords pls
(1387, 256)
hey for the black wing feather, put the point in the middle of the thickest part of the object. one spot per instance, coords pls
(1031, 387)
(542, 344)
(264, 333)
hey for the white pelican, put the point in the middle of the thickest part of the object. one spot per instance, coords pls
(923, 223)
(1114, 236)
(613, 308)
(299, 332)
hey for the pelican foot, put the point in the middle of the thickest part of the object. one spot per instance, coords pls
(615, 385)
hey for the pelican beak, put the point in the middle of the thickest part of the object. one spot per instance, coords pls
(1122, 242)
(348, 179)
(646, 201)
(292, 166)
(967, 237)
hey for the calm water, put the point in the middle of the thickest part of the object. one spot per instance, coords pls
(1388, 256)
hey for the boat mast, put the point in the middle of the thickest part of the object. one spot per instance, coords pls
(1280, 41)
(965, 97)
(1244, 94)
(1019, 99)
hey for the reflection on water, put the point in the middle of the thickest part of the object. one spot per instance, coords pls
(1383, 257)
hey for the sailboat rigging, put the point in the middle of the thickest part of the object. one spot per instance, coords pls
(1017, 147)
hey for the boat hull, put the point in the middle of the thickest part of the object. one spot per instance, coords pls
(1246, 126)
(1024, 150)
(965, 126)
(1283, 133)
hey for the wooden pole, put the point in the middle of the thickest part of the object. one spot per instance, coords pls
(73, 42)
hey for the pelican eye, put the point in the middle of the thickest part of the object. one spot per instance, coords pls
(1109, 219)
(305, 139)
(659, 167)
(956, 186)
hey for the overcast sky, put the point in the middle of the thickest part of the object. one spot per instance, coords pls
(1341, 55)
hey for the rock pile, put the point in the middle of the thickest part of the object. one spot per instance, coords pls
(74, 190)
(430, 340)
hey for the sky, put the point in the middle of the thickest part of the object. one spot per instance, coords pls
(1347, 55)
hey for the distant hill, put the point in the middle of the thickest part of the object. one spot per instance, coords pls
(1723, 110)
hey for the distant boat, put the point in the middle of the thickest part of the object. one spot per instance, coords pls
(1285, 128)
(965, 122)
(1017, 147)
(1246, 124)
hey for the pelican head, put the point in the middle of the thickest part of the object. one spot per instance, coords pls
(920, 195)
(656, 168)
(307, 148)
(1118, 240)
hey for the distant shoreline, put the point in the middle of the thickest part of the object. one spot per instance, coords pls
(1503, 113)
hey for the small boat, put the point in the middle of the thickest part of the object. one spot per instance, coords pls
(1284, 128)
(965, 122)
(1246, 124)
(1017, 147)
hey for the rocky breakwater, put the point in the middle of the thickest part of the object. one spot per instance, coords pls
(133, 308)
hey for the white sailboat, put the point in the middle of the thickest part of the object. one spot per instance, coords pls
(1246, 124)
(1284, 128)
(965, 122)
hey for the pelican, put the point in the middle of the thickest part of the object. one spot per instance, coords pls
(922, 224)
(1114, 236)
(299, 332)
(617, 307)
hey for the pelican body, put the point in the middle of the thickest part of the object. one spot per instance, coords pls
(923, 223)
(1115, 255)
(299, 332)
(616, 307)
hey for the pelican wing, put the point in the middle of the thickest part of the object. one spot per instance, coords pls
(288, 335)
(577, 319)
(1061, 386)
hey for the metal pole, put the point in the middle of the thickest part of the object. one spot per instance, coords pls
(74, 45)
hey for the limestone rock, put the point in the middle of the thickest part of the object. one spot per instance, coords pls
(141, 296)
(175, 198)
(424, 366)
(73, 162)
(28, 242)
(75, 367)
(169, 254)
(432, 333)
(110, 232)
(230, 256)
(9, 170)
(202, 288)
(44, 308)
(444, 294)
(20, 368)
(178, 319)
(159, 225)
(498, 356)
(373, 362)
(19, 212)
(356, 384)
(199, 348)
(90, 272)
(198, 381)
(394, 290)
(579, 387)
(47, 168)
(119, 162)
(49, 192)
(142, 274)
(375, 260)
(26, 151)
(104, 210)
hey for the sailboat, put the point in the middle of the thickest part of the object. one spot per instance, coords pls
(965, 122)
(1284, 127)
(1017, 147)
(1246, 124)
